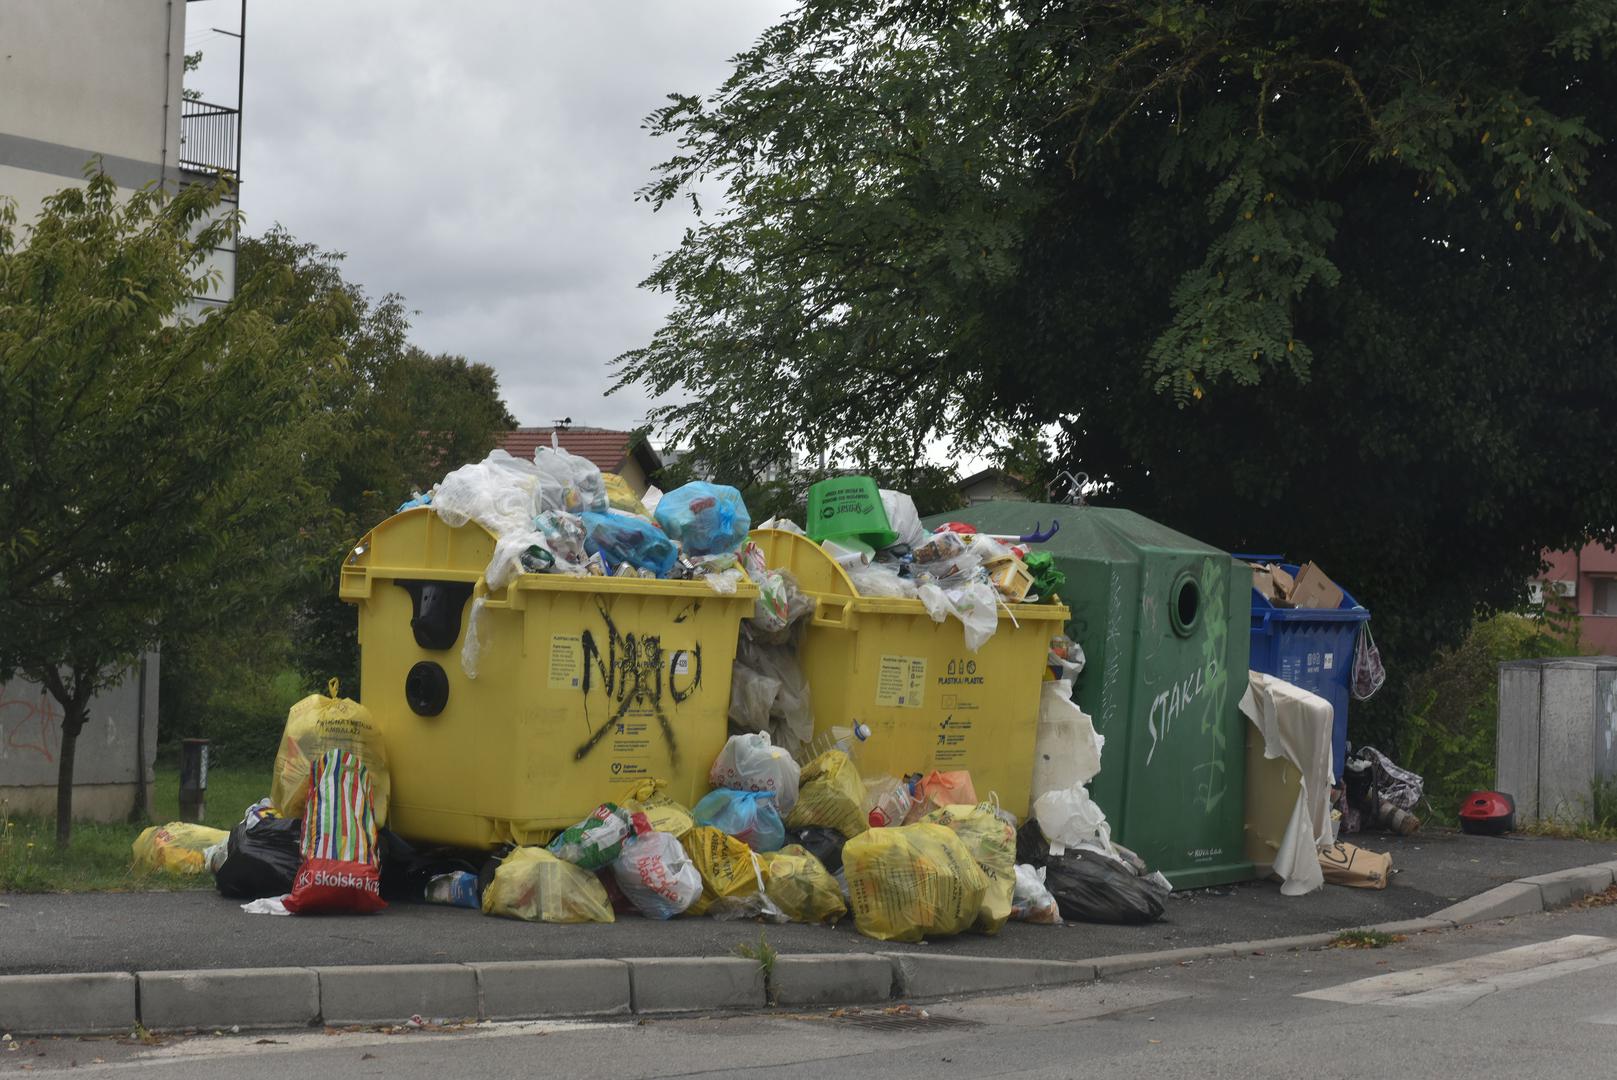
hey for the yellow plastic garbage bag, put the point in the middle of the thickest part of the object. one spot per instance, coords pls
(620, 496)
(830, 794)
(322, 722)
(992, 843)
(911, 882)
(533, 884)
(175, 848)
(662, 813)
(801, 886)
(725, 863)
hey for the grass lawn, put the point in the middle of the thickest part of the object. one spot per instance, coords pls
(99, 858)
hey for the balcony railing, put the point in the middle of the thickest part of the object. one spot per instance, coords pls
(209, 138)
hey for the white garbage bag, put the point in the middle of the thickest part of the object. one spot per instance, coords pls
(903, 518)
(498, 493)
(1066, 748)
(754, 763)
(1068, 817)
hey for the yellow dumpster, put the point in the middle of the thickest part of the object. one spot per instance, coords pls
(585, 685)
(929, 702)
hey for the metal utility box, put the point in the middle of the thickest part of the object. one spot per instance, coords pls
(1163, 621)
(1557, 735)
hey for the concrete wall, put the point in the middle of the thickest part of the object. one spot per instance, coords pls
(1557, 734)
(86, 78)
(104, 768)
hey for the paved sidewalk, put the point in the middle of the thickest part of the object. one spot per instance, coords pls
(195, 930)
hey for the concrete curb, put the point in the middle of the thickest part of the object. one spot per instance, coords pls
(112, 1002)
(1531, 895)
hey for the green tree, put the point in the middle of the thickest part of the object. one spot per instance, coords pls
(404, 418)
(150, 461)
(1326, 278)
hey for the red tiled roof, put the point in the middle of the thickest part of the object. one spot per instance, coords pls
(606, 450)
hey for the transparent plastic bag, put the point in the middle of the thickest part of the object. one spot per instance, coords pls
(620, 496)
(977, 607)
(831, 795)
(565, 538)
(1032, 902)
(594, 842)
(498, 493)
(749, 816)
(754, 763)
(706, 519)
(769, 692)
(655, 873)
(940, 789)
(513, 553)
(910, 882)
(662, 813)
(881, 579)
(801, 886)
(567, 482)
(532, 884)
(992, 844)
(176, 848)
(316, 724)
(471, 650)
(625, 539)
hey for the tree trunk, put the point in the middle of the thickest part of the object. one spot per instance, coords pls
(72, 724)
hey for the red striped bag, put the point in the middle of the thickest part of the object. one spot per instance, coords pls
(341, 867)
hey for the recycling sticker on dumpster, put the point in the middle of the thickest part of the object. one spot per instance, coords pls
(566, 661)
(901, 681)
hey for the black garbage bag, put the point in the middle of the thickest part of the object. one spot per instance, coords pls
(406, 871)
(1031, 846)
(261, 860)
(823, 844)
(1091, 887)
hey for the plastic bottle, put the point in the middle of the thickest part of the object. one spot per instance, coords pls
(887, 801)
(840, 737)
(457, 889)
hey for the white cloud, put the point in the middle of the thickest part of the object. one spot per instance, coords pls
(482, 160)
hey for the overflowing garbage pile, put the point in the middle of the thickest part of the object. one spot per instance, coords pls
(560, 514)
(806, 839)
(876, 536)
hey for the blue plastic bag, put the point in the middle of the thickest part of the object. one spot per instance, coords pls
(706, 519)
(623, 538)
(749, 816)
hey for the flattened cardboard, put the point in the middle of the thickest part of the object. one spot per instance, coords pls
(1313, 589)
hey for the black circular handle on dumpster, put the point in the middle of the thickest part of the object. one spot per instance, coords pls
(1185, 604)
(426, 689)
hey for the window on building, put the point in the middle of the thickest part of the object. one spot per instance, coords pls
(1605, 596)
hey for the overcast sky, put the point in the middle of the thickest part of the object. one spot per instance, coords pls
(481, 159)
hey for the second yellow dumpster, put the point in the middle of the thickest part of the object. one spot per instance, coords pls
(929, 701)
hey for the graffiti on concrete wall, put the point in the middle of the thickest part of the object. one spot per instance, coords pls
(30, 724)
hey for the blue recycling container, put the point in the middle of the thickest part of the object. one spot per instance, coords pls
(1311, 648)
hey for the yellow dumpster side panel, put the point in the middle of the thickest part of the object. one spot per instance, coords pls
(929, 701)
(585, 686)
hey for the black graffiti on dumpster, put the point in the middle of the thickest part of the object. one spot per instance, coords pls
(630, 672)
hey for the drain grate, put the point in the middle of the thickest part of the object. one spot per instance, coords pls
(905, 1021)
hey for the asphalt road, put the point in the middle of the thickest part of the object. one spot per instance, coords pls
(1486, 1003)
(190, 930)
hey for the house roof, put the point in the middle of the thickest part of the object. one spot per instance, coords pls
(606, 449)
(987, 474)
